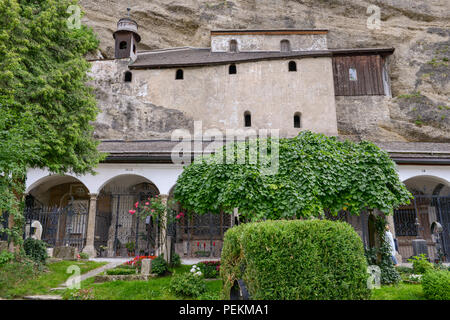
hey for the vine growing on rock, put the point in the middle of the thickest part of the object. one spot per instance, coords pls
(315, 173)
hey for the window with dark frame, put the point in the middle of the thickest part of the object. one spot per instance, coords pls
(292, 66)
(297, 120)
(179, 75)
(247, 119)
(233, 46)
(128, 76)
(285, 46)
(232, 69)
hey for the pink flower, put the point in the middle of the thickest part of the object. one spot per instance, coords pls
(136, 205)
(132, 211)
(153, 210)
(147, 203)
(181, 214)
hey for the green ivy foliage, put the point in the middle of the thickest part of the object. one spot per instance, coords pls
(46, 106)
(295, 260)
(315, 173)
(35, 250)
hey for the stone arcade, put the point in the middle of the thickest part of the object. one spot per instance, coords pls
(285, 79)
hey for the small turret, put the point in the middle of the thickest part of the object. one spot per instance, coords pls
(127, 38)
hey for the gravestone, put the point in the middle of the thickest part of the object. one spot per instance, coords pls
(3, 245)
(50, 252)
(146, 267)
(419, 247)
(65, 253)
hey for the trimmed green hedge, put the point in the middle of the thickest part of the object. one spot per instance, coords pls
(436, 285)
(295, 260)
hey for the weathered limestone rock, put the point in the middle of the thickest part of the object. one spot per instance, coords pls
(65, 253)
(418, 29)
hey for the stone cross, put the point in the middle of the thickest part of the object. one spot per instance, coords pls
(146, 267)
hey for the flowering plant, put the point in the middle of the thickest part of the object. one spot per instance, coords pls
(137, 261)
(196, 270)
(210, 269)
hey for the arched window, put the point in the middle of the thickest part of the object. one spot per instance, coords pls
(285, 46)
(247, 119)
(292, 66)
(128, 76)
(297, 119)
(179, 75)
(123, 45)
(233, 46)
(232, 69)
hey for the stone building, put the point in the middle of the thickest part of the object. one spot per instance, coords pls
(285, 79)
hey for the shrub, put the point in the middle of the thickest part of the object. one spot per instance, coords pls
(137, 261)
(84, 255)
(79, 294)
(187, 285)
(209, 269)
(159, 266)
(35, 250)
(298, 259)
(405, 270)
(176, 260)
(420, 264)
(436, 285)
(120, 271)
(5, 257)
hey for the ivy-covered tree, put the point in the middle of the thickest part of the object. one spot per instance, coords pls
(45, 104)
(315, 173)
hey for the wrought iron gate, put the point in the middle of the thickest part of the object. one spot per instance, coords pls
(424, 210)
(116, 227)
(200, 235)
(61, 226)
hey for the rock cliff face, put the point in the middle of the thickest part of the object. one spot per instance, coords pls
(418, 30)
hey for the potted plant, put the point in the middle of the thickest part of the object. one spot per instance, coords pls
(130, 248)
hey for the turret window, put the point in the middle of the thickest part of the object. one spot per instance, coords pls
(179, 75)
(123, 45)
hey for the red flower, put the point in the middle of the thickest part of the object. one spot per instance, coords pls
(136, 205)
(132, 211)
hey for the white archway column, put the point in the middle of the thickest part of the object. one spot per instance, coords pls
(90, 234)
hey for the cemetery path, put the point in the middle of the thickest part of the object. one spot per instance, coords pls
(65, 285)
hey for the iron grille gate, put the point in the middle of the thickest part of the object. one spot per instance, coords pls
(199, 235)
(116, 228)
(61, 226)
(426, 209)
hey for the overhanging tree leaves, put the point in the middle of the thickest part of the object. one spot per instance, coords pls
(45, 105)
(316, 173)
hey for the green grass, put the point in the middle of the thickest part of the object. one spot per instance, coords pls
(402, 291)
(18, 279)
(153, 289)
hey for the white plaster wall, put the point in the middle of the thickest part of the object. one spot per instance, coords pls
(164, 176)
(410, 171)
(266, 88)
(251, 42)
